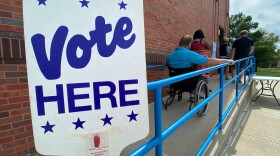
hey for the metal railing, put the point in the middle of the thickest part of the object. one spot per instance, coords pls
(160, 135)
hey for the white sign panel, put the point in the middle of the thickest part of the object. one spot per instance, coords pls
(214, 50)
(87, 75)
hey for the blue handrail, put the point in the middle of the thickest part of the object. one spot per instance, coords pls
(156, 66)
(157, 86)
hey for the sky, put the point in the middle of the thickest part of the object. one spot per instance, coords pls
(265, 12)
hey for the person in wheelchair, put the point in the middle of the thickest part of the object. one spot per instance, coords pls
(182, 60)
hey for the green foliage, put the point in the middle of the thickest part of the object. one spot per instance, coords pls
(265, 47)
(241, 22)
(265, 42)
(258, 34)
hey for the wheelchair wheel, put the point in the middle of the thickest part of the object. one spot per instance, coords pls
(170, 99)
(201, 93)
(180, 96)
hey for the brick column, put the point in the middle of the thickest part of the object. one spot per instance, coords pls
(16, 136)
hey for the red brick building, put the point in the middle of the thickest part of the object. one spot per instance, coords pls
(165, 23)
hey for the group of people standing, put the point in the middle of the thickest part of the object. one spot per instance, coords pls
(236, 49)
(196, 52)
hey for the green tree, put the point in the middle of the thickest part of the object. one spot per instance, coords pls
(241, 22)
(265, 48)
(265, 42)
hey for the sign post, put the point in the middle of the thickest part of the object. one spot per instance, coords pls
(86, 75)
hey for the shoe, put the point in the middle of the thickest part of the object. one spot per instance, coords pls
(226, 78)
(240, 81)
(233, 81)
(210, 90)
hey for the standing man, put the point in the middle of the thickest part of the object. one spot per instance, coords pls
(241, 48)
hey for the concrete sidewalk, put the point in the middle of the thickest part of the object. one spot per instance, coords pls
(258, 134)
(187, 140)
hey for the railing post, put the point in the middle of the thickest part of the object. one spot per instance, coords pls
(251, 68)
(156, 142)
(237, 79)
(245, 72)
(221, 98)
(158, 119)
(254, 62)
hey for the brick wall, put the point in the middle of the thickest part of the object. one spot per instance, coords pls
(166, 21)
(16, 137)
(12, 49)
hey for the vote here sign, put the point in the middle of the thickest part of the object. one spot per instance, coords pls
(86, 74)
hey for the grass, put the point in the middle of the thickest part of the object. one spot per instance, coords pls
(268, 72)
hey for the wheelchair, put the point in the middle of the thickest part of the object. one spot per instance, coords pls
(194, 85)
